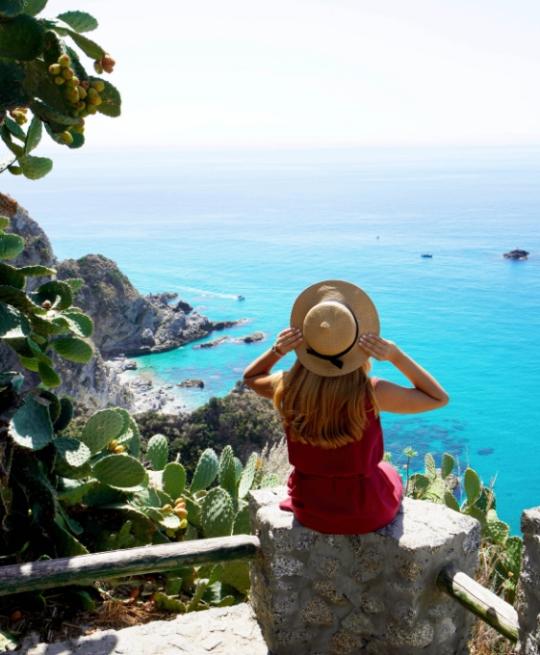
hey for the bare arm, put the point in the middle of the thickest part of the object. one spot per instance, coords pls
(426, 394)
(257, 375)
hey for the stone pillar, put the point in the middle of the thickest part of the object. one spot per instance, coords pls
(528, 597)
(375, 593)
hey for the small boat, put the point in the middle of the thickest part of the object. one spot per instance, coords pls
(516, 254)
(239, 297)
(427, 255)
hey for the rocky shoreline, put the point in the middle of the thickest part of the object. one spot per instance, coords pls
(126, 324)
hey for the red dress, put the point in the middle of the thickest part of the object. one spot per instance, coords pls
(345, 490)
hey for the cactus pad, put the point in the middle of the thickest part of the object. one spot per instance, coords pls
(174, 479)
(158, 451)
(101, 428)
(205, 471)
(73, 451)
(121, 471)
(73, 349)
(242, 523)
(31, 425)
(65, 415)
(248, 475)
(227, 471)
(217, 513)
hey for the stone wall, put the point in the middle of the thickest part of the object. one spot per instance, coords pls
(529, 584)
(374, 593)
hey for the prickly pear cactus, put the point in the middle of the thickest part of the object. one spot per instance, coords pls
(205, 471)
(101, 428)
(121, 471)
(174, 479)
(158, 451)
(248, 475)
(217, 513)
(45, 84)
(227, 471)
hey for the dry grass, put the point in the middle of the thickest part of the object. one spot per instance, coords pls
(276, 459)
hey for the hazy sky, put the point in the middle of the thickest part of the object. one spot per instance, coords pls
(320, 72)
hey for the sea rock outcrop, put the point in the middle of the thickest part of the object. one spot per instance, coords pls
(127, 322)
(94, 384)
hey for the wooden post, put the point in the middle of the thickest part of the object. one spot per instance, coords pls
(499, 614)
(86, 569)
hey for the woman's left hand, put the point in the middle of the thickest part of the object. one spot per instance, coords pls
(288, 339)
(377, 347)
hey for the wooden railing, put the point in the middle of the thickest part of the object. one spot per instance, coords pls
(86, 569)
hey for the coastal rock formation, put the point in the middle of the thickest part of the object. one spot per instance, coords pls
(94, 384)
(125, 321)
(191, 384)
(251, 338)
(516, 254)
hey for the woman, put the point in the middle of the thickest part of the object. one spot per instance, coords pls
(330, 409)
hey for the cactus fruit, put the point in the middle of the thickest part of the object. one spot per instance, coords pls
(205, 471)
(55, 69)
(64, 60)
(217, 513)
(98, 85)
(158, 451)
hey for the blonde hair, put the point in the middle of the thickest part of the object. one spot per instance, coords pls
(325, 411)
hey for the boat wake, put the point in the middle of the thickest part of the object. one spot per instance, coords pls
(210, 294)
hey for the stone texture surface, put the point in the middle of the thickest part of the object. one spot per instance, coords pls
(528, 596)
(370, 593)
(218, 631)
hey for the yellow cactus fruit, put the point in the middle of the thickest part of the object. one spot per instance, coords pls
(98, 67)
(19, 116)
(181, 512)
(66, 137)
(95, 100)
(82, 93)
(68, 73)
(180, 499)
(167, 508)
(119, 449)
(108, 63)
(59, 80)
(54, 69)
(91, 109)
(170, 533)
(98, 85)
(81, 106)
(64, 60)
(78, 128)
(73, 96)
(183, 524)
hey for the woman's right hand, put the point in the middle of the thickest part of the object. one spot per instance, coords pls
(377, 347)
(288, 339)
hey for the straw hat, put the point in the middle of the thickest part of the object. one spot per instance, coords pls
(332, 315)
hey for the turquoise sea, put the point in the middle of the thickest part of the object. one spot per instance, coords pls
(212, 225)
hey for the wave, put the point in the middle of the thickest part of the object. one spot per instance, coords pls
(210, 294)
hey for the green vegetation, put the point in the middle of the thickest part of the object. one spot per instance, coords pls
(43, 82)
(465, 493)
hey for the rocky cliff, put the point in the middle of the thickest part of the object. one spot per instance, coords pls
(126, 322)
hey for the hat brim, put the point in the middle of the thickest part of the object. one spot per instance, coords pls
(361, 306)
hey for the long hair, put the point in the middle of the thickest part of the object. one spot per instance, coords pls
(325, 411)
